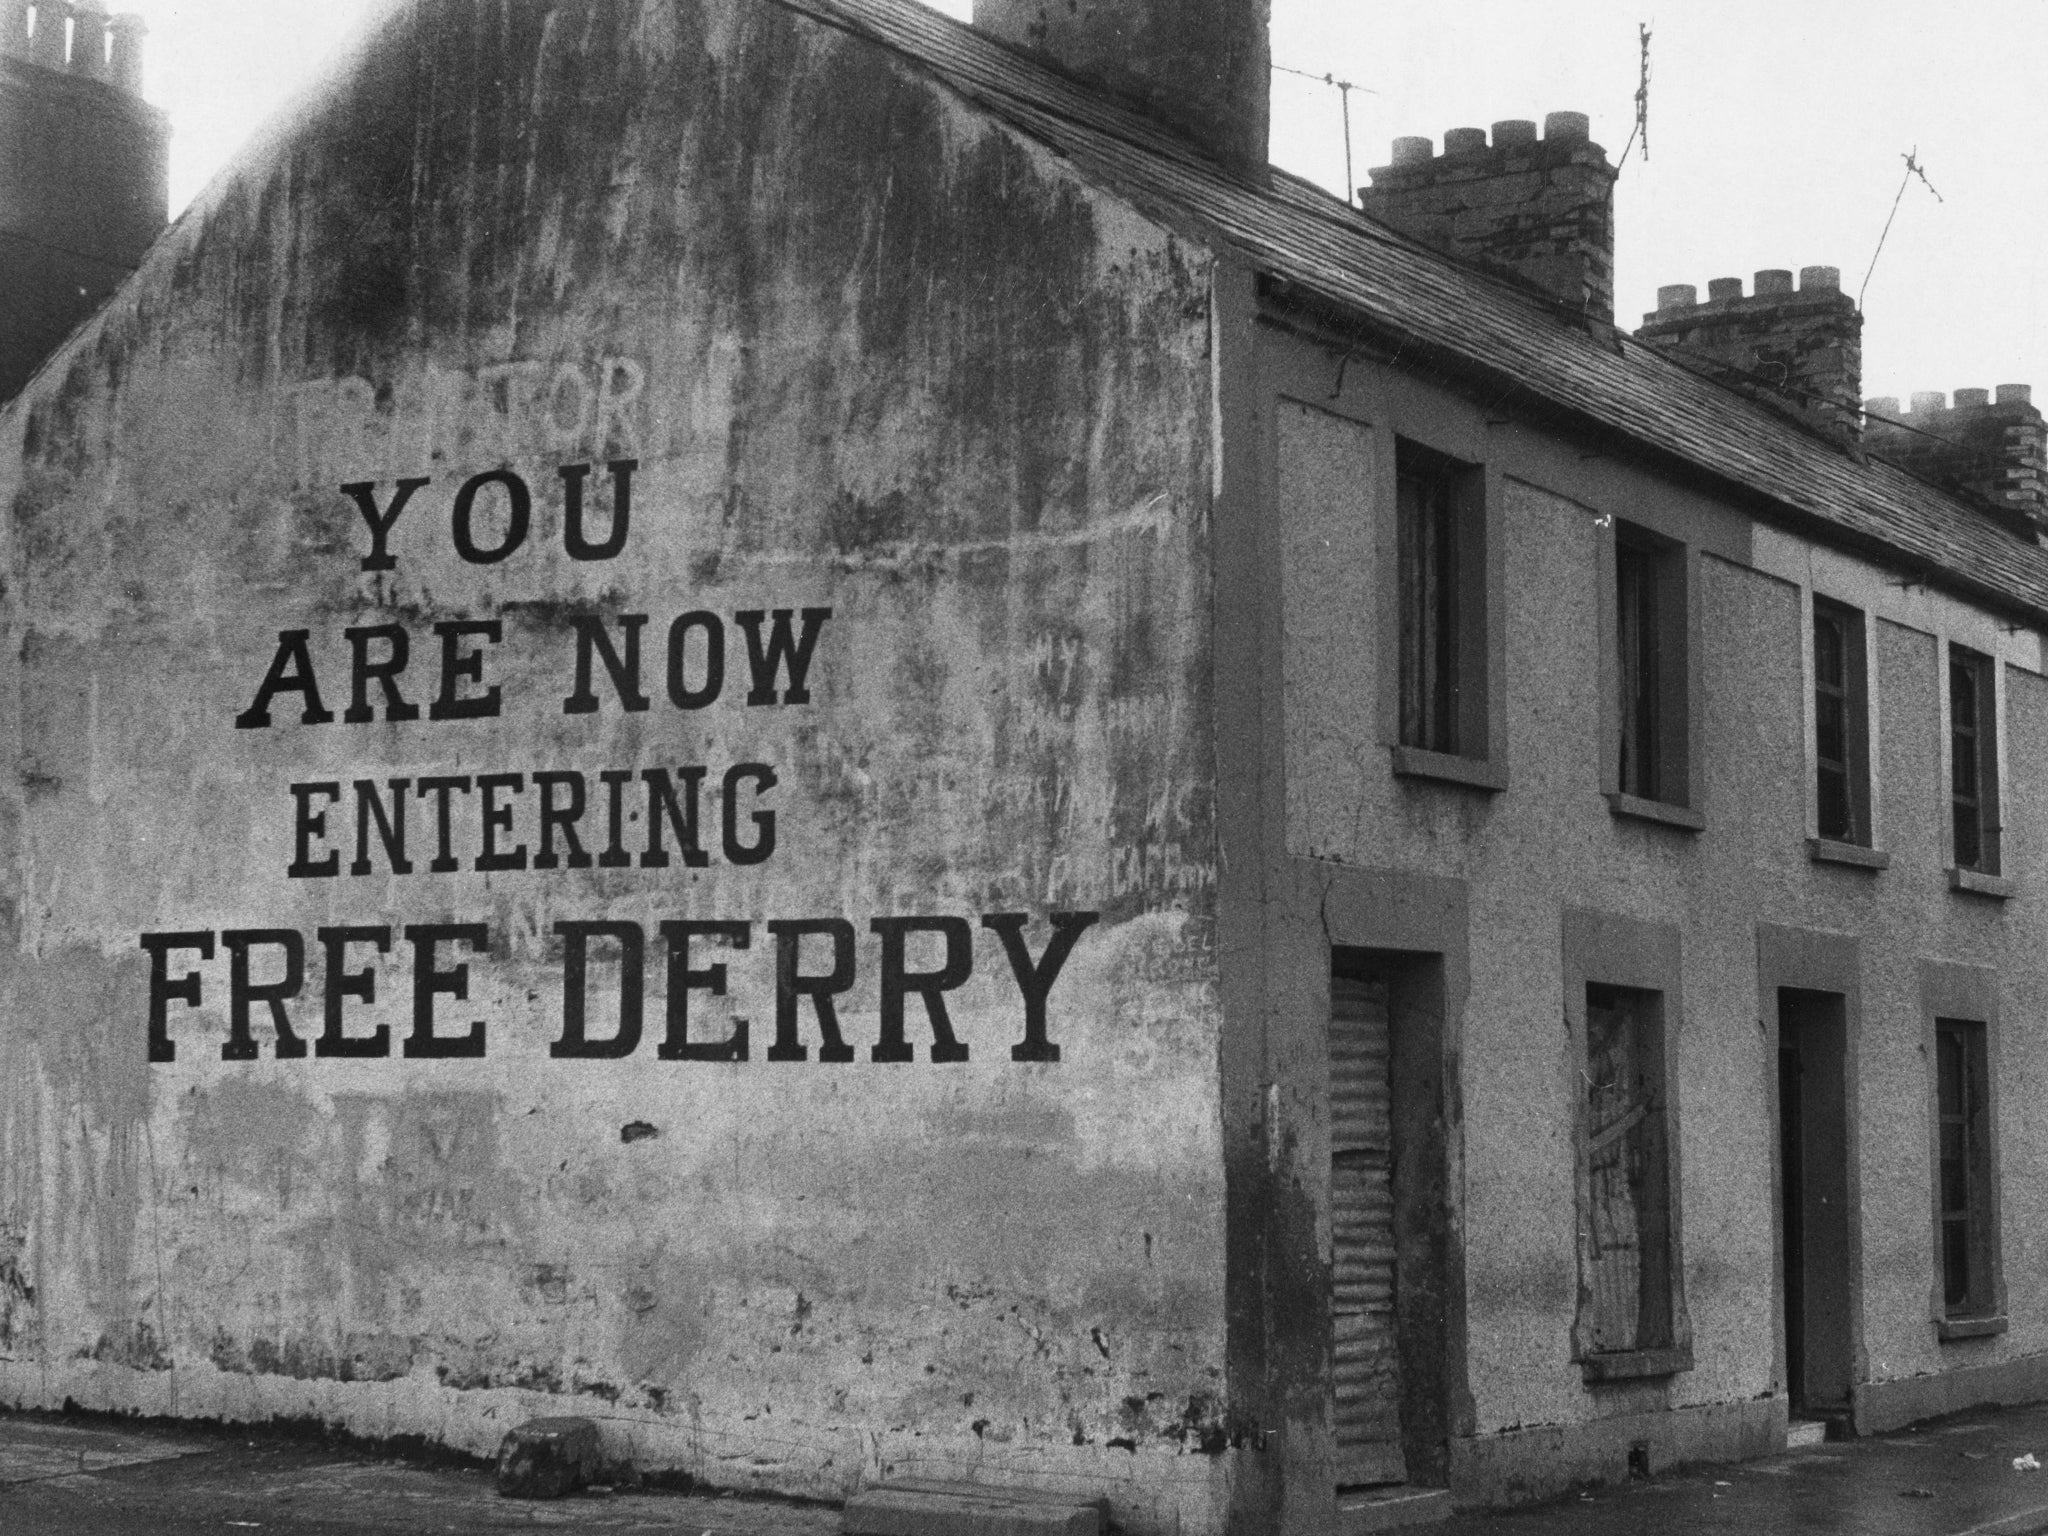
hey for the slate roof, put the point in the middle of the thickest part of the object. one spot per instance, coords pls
(1526, 344)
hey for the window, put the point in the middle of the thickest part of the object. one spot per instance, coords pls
(1650, 669)
(1440, 538)
(1841, 723)
(1649, 756)
(1973, 760)
(1963, 1176)
(1627, 1175)
(1625, 1009)
(1637, 647)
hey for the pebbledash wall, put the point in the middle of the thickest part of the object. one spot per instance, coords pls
(1520, 884)
(611, 654)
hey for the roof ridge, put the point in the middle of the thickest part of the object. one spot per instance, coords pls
(1477, 318)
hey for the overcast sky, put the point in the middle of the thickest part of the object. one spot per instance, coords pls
(1776, 130)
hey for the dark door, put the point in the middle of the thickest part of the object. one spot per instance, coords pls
(1814, 1199)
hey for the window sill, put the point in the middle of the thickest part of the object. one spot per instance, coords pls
(1825, 850)
(1683, 817)
(1978, 884)
(1946, 1328)
(1449, 768)
(1635, 1364)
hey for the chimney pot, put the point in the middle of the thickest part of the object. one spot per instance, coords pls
(1513, 133)
(1465, 141)
(1720, 288)
(1414, 150)
(1567, 127)
(1925, 400)
(2015, 394)
(1820, 279)
(89, 39)
(1967, 398)
(1773, 280)
(124, 68)
(47, 47)
(1676, 296)
(1881, 405)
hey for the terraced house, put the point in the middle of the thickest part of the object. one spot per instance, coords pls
(820, 732)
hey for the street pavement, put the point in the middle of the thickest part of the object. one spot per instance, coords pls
(1952, 1477)
(107, 1477)
(110, 1477)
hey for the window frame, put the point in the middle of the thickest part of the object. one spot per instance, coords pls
(1668, 572)
(1637, 1140)
(1858, 844)
(1962, 1106)
(1474, 754)
(1605, 953)
(1962, 1001)
(1986, 747)
(1858, 829)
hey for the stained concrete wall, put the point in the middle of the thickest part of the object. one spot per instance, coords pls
(864, 361)
(1548, 844)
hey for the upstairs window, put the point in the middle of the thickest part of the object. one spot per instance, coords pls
(1973, 760)
(1650, 667)
(1841, 723)
(1440, 550)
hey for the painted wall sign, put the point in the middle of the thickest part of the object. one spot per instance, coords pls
(536, 820)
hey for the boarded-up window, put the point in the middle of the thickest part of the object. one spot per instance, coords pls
(1365, 1363)
(1627, 1220)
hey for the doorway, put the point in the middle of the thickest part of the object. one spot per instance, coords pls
(1814, 1201)
(1390, 1221)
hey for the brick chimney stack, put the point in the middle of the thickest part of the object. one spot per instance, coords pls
(1994, 450)
(1803, 347)
(83, 190)
(1542, 209)
(1199, 67)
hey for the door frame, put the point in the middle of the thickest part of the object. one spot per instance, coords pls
(1419, 924)
(1813, 1032)
(1423, 1225)
(1809, 960)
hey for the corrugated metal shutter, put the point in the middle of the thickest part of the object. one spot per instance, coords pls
(1366, 1365)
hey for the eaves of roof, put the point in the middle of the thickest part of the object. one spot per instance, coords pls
(1459, 319)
